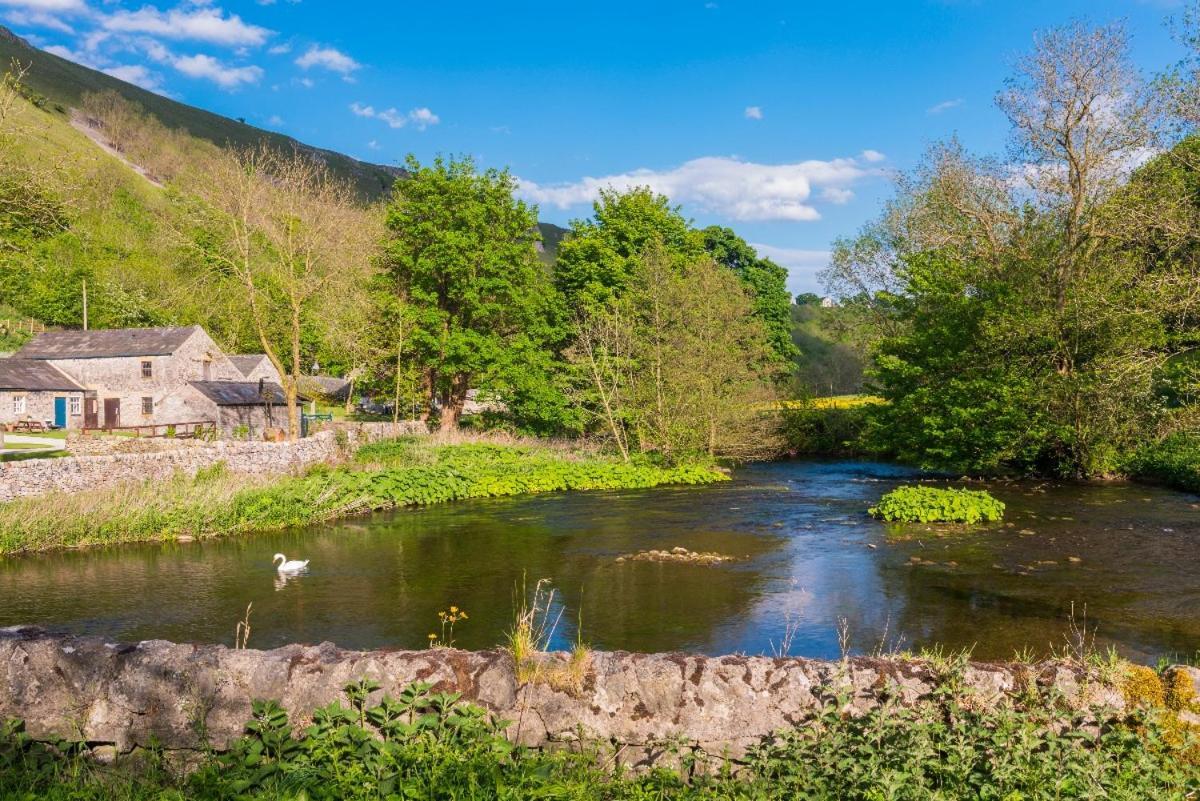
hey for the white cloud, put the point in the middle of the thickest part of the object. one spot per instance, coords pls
(138, 75)
(421, 118)
(945, 105)
(873, 156)
(307, 83)
(275, 120)
(48, 6)
(373, 145)
(754, 113)
(802, 265)
(837, 195)
(73, 55)
(729, 187)
(328, 58)
(280, 49)
(209, 68)
(199, 24)
(37, 19)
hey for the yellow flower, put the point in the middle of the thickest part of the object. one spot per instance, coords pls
(433, 636)
(454, 609)
(463, 616)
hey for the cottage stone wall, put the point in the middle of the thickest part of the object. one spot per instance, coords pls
(40, 406)
(197, 359)
(123, 696)
(78, 473)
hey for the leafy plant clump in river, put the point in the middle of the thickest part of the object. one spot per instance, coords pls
(426, 745)
(933, 505)
(383, 476)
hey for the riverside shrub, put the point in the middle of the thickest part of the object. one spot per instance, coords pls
(1174, 461)
(933, 505)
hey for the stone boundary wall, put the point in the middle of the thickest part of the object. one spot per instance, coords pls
(119, 697)
(76, 473)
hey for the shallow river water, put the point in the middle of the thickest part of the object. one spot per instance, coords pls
(809, 560)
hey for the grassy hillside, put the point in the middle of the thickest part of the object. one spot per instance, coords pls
(64, 83)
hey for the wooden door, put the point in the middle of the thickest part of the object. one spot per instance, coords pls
(91, 413)
(112, 412)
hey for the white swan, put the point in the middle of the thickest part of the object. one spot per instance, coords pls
(294, 566)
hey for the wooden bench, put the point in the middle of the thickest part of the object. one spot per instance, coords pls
(30, 426)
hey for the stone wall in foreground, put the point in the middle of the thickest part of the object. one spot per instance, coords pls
(123, 696)
(156, 459)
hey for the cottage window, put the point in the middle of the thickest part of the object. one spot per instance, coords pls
(147, 369)
(147, 405)
(18, 404)
(76, 404)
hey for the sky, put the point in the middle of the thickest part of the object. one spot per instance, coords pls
(785, 121)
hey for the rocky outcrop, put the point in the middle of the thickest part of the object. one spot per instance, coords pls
(183, 696)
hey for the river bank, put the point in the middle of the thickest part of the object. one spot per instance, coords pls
(414, 471)
(424, 724)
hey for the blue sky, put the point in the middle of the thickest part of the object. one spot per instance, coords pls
(781, 120)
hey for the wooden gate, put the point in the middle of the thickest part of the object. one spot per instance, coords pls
(112, 412)
(91, 413)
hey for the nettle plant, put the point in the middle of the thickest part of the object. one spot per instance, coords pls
(933, 505)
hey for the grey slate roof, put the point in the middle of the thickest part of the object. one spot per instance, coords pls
(106, 343)
(241, 393)
(34, 376)
(246, 362)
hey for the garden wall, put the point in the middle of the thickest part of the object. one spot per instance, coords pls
(119, 697)
(162, 458)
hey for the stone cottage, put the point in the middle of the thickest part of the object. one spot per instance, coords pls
(134, 376)
(38, 391)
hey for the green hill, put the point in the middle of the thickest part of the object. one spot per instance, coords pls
(64, 83)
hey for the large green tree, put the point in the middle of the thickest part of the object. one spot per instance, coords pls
(460, 251)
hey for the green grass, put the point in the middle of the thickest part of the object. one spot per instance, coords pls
(426, 745)
(388, 475)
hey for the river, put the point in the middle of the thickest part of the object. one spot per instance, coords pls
(809, 562)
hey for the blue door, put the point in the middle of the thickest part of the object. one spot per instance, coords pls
(60, 412)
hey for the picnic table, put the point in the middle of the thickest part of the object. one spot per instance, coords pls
(30, 426)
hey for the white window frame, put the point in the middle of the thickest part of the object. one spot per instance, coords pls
(143, 404)
(18, 403)
(75, 405)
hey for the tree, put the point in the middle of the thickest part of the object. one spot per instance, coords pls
(600, 254)
(289, 237)
(679, 364)
(767, 284)
(460, 250)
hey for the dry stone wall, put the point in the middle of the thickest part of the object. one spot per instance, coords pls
(125, 696)
(77, 473)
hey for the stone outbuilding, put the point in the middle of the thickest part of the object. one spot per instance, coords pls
(38, 391)
(135, 376)
(241, 409)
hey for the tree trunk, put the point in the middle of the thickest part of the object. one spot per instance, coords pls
(452, 403)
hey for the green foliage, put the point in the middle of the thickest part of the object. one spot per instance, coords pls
(426, 745)
(767, 285)
(825, 430)
(1175, 461)
(934, 505)
(601, 255)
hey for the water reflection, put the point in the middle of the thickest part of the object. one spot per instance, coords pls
(810, 566)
